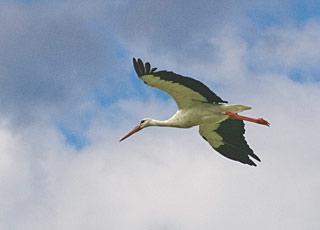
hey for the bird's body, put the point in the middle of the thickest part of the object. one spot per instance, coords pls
(219, 123)
(199, 114)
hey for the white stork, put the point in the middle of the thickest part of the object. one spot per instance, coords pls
(219, 123)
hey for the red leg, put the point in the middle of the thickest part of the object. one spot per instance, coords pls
(255, 120)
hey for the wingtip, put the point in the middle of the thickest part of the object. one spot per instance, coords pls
(249, 162)
(254, 156)
(136, 67)
(141, 68)
(147, 67)
(254, 164)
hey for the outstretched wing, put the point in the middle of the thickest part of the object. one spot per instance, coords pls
(227, 138)
(184, 90)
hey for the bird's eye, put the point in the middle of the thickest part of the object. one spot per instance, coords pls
(141, 122)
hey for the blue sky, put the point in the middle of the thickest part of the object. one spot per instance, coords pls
(69, 93)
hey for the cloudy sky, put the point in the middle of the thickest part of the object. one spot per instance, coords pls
(68, 93)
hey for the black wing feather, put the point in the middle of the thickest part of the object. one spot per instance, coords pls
(141, 67)
(191, 83)
(136, 68)
(148, 66)
(235, 146)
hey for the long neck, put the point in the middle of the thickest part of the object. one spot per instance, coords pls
(165, 123)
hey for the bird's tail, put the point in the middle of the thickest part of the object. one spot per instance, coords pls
(237, 108)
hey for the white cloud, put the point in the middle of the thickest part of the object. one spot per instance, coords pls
(290, 47)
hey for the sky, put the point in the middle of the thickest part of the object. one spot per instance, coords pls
(68, 93)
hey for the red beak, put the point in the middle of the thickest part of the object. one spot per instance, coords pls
(136, 129)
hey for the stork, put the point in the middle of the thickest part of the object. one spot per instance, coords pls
(219, 123)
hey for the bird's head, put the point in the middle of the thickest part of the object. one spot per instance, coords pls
(143, 124)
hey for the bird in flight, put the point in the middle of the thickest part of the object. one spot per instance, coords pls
(219, 123)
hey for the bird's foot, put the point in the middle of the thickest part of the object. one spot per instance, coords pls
(262, 121)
